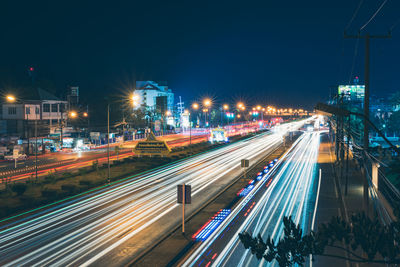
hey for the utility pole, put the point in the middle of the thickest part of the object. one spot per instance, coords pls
(108, 142)
(367, 38)
(36, 148)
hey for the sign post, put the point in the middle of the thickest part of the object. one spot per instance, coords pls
(15, 156)
(184, 197)
(244, 163)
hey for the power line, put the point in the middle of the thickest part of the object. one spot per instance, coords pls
(394, 25)
(354, 59)
(354, 14)
(373, 16)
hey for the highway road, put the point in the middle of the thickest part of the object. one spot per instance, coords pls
(286, 190)
(115, 223)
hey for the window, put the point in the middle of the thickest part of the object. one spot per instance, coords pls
(46, 107)
(27, 110)
(54, 107)
(37, 110)
(12, 110)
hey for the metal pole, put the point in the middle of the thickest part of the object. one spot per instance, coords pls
(108, 142)
(36, 170)
(190, 131)
(347, 156)
(366, 116)
(183, 208)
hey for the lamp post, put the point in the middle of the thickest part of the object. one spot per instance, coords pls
(11, 99)
(108, 142)
(195, 107)
(207, 104)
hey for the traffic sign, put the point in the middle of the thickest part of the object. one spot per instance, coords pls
(244, 163)
(188, 194)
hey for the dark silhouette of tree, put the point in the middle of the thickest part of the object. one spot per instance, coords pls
(364, 240)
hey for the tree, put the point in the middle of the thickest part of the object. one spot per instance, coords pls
(377, 242)
(19, 188)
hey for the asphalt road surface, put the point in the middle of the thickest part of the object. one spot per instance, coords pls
(287, 190)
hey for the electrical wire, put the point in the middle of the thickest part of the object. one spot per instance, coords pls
(354, 14)
(354, 59)
(373, 16)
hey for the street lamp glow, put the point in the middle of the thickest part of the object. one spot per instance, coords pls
(207, 102)
(85, 114)
(168, 113)
(225, 106)
(10, 98)
(258, 107)
(73, 114)
(135, 99)
(240, 105)
(195, 106)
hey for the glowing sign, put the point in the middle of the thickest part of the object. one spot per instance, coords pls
(218, 135)
(352, 92)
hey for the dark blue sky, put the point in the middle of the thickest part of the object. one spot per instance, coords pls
(279, 52)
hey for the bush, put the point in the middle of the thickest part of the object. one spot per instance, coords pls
(85, 182)
(49, 193)
(82, 171)
(51, 178)
(19, 188)
(95, 165)
(70, 188)
(66, 175)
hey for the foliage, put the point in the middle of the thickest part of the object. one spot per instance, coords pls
(19, 188)
(70, 188)
(377, 242)
(49, 193)
(95, 165)
(85, 182)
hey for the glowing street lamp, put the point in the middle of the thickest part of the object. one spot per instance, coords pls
(10, 98)
(73, 114)
(225, 107)
(240, 105)
(207, 102)
(195, 106)
(135, 100)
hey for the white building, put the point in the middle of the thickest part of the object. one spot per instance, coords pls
(156, 97)
(20, 117)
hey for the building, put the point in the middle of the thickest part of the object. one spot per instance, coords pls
(39, 110)
(156, 97)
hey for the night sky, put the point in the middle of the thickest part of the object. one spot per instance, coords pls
(277, 52)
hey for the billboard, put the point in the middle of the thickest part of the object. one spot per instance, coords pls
(352, 92)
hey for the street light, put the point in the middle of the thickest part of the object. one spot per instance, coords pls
(73, 114)
(10, 98)
(225, 107)
(207, 102)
